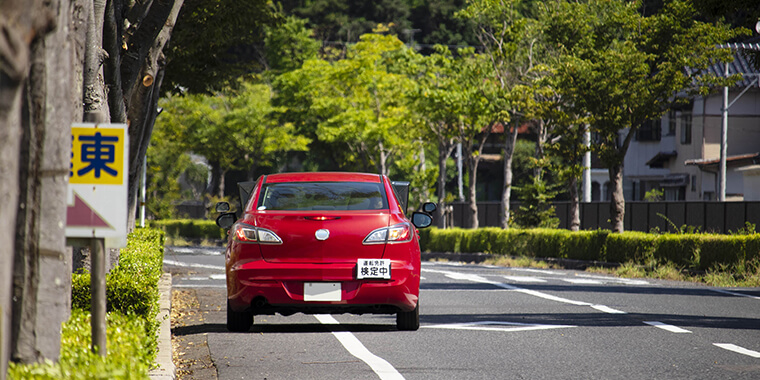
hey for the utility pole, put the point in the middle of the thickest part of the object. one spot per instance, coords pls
(587, 166)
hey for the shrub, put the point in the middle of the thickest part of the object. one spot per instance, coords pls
(131, 286)
(585, 245)
(190, 229)
(127, 357)
(682, 250)
(637, 247)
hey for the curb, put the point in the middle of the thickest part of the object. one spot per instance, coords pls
(164, 365)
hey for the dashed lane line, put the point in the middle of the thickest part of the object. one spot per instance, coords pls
(192, 265)
(738, 349)
(735, 293)
(667, 327)
(525, 279)
(535, 293)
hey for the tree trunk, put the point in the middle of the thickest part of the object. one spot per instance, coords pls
(142, 72)
(22, 23)
(575, 216)
(473, 161)
(541, 135)
(54, 290)
(472, 195)
(222, 175)
(42, 274)
(510, 140)
(617, 203)
(15, 25)
(383, 159)
(444, 151)
(25, 268)
(94, 96)
(112, 33)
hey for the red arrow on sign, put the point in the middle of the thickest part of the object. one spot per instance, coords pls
(81, 215)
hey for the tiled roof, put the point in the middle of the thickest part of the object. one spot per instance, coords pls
(740, 64)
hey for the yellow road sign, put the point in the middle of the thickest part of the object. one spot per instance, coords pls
(97, 156)
(97, 193)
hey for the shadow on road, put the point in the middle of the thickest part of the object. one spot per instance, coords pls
(214, 328)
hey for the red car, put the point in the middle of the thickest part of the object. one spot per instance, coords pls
(323, 243)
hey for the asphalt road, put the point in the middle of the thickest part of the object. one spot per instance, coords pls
(484, 322)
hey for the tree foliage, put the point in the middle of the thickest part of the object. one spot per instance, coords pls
(235, 129)
(623, 69)
(214, 43)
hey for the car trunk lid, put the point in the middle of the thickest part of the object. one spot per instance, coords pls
(321, 238)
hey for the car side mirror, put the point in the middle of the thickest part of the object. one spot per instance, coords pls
(421, 220)
(222, 207)
(226, 220)
(429, 207)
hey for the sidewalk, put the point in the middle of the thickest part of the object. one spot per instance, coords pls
(164, 365)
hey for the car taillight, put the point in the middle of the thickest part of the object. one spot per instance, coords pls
(399, 233)
(249, 234)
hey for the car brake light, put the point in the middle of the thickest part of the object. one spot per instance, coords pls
(244, 233)
(399, 233)
(321, 218)
(249, 234)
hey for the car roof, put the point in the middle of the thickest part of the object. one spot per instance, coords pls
(323, 177)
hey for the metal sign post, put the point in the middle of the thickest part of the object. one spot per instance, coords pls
(97, 206)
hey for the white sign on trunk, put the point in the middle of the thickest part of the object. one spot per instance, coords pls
(97, 193)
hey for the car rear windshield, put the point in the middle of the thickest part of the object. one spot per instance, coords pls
(323, 196)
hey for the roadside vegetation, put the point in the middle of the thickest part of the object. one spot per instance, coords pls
(493, 77)
(131, 325)
(719, 260)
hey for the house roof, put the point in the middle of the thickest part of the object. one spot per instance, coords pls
(739, 160)
(660, 158)
(740, 63)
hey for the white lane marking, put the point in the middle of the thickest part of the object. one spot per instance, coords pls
(198, 286)
(483, 280)
(667, 327)
(626, 281)
(465, 277)
(534, 271)
(490, 326)
(192, 265)
(550, 297)
(735, 293)
(524, 279)
(738, 349)
(196, 250)
(379, 365)
(582, 281)
(466, 290)
(206, 278)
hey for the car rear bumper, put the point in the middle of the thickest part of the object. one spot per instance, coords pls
(268, 288)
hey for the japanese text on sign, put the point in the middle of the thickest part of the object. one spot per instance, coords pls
(97, 156)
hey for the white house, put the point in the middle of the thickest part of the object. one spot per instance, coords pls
(680, 153)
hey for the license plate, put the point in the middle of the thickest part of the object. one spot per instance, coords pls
(373, 269)
(321, 291)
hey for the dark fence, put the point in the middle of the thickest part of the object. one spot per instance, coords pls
(717, 217)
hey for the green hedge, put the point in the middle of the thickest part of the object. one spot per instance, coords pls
(693, 251)
(127, 357)
(132, 303)
(190, 229)
(132, 286)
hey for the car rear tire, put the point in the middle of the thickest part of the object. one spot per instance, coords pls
(238, 321)
(408, 320)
